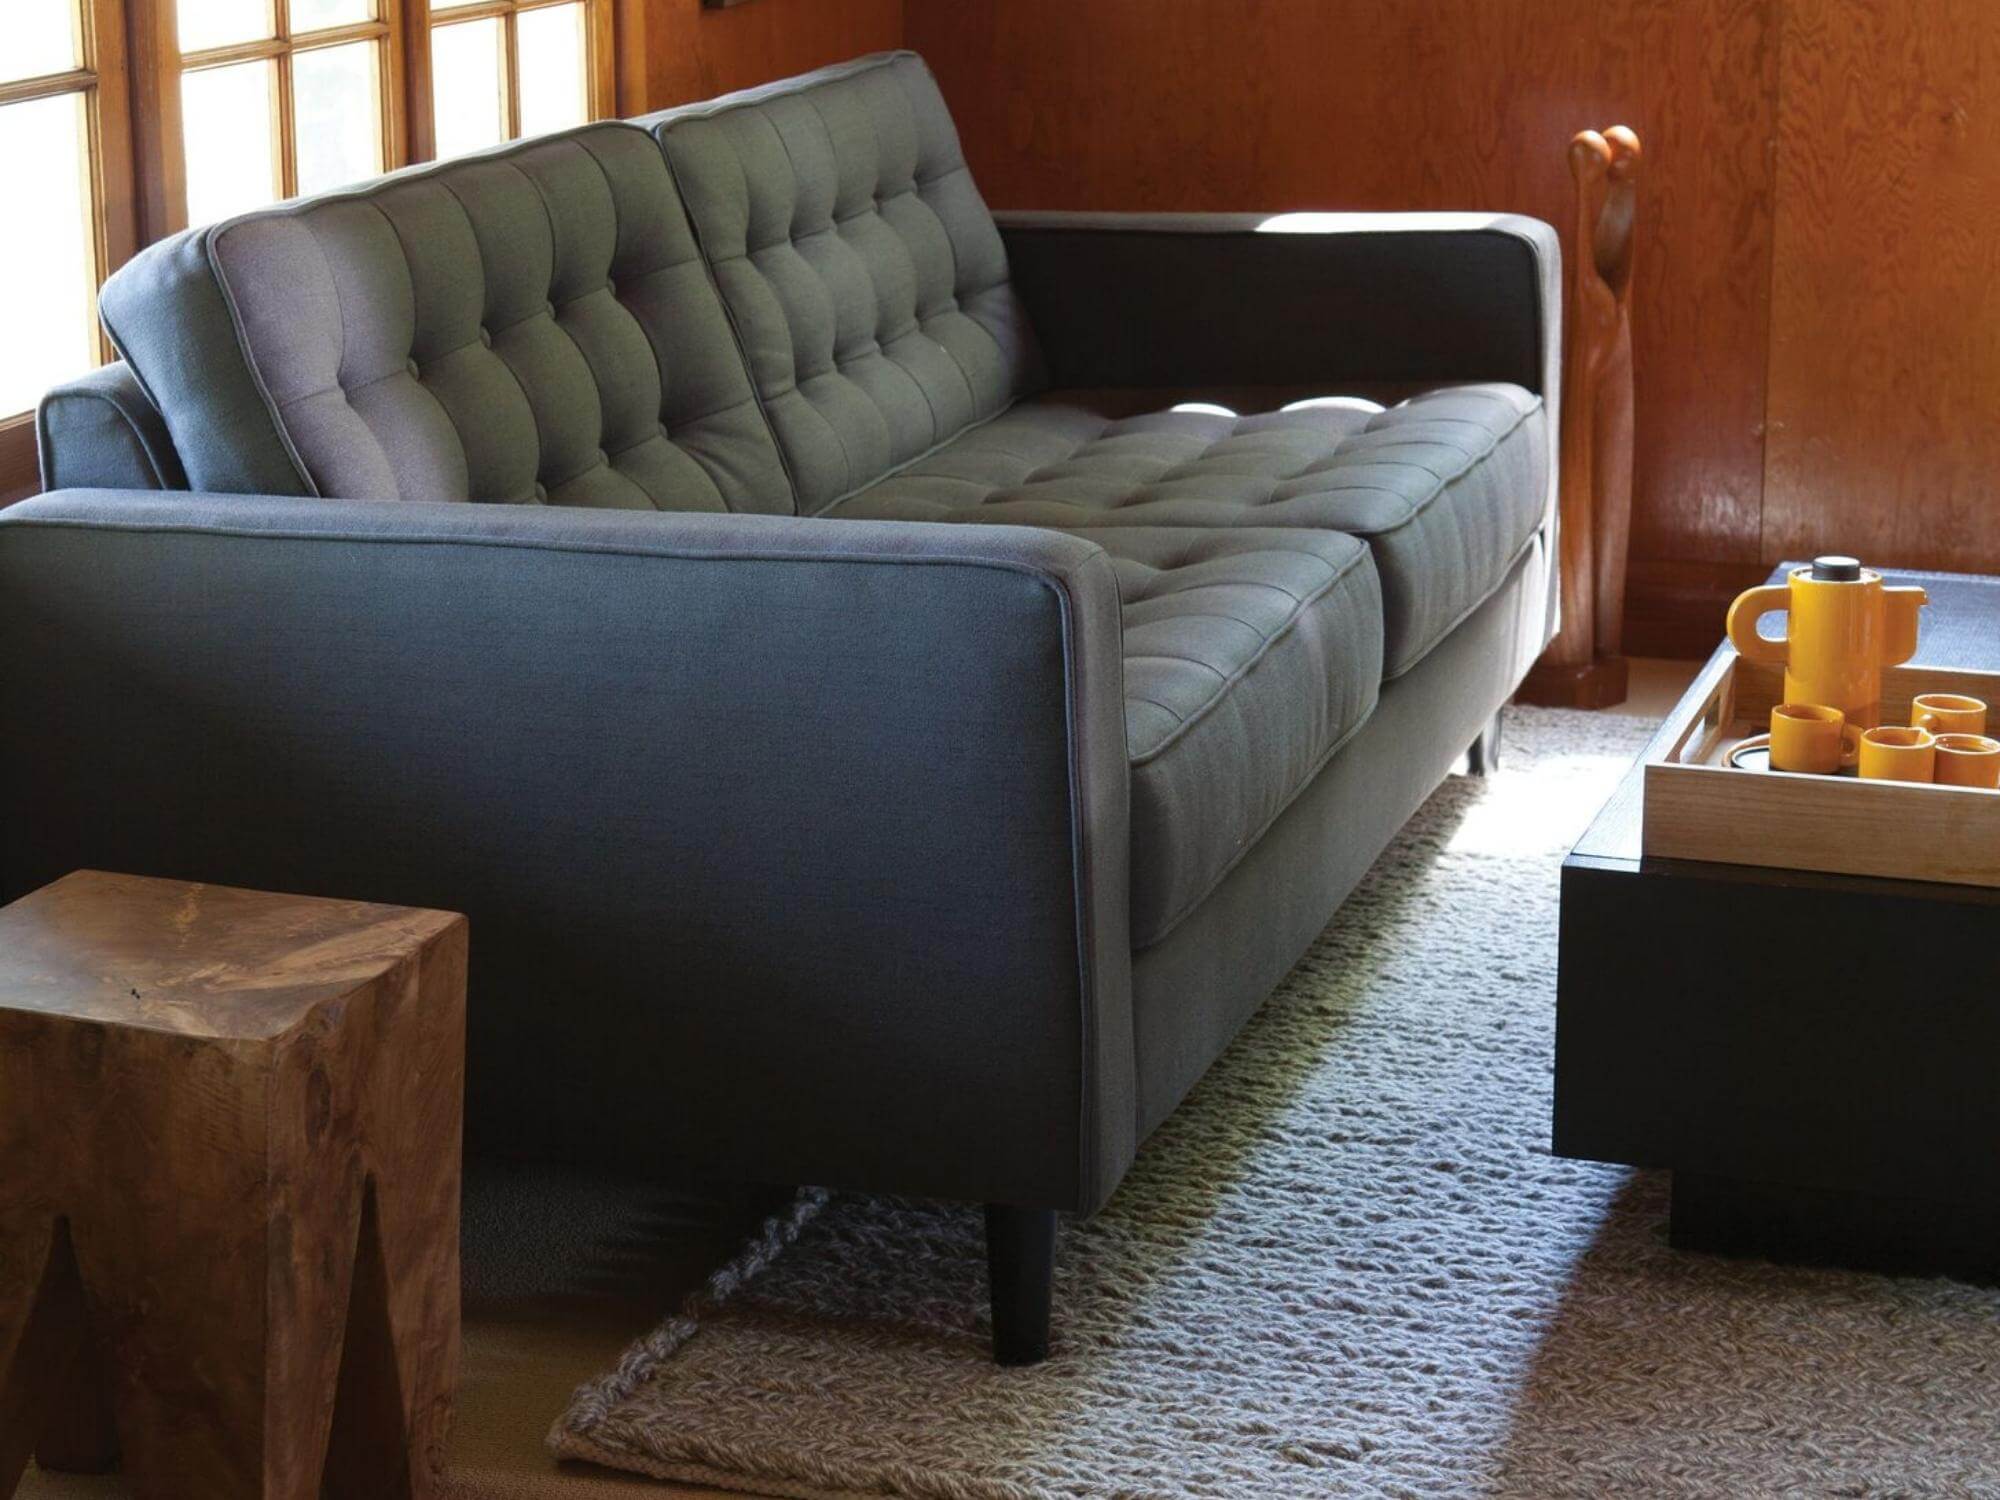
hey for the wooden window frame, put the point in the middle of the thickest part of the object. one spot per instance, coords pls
(104, 81)
(600, 61)
(132, 79)
(163, 160)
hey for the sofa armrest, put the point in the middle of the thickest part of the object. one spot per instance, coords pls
(795, 850)
(1329, 301)
(102, 431)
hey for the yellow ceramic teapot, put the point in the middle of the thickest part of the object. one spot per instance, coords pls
(1845, 626)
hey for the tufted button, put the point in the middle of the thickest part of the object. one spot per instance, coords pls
(541, 493)
(486, 336)
(551, 308)
(611, 285)
(415, 373)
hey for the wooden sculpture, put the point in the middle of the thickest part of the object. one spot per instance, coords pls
(229, 1124)
(1583, 666)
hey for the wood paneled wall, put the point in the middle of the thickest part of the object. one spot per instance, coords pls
(1818, 232)
(1885, 306)
(671, 51)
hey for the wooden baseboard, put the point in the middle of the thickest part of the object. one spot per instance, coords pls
(1596, 684)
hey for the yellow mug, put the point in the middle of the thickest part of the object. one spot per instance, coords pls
(1892, 753)
(1813, 738)
(1968, 760)
(1948, 713)
(1844, 626)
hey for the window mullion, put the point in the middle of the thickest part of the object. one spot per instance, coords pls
(287, 128)
(158, 137)
(600, 56)
(419, 91)
(392, 94)
(511, 81)
(109, 120)
(21, 90)
(286, 123)
(102, 232)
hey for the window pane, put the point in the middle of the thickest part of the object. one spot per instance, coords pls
(51, 334)
(217, 23)
(232, 154)
(337, 93)
(553, 93)
(317, 15)
(37, 37)
(467, 61)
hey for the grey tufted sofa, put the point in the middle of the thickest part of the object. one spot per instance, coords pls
(908, 685)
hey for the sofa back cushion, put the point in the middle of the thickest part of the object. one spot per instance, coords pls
(532, 324)
(865, 277)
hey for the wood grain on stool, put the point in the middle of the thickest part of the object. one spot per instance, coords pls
(229, 1180)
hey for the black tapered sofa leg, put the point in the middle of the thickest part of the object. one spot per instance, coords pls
(1020, 1268)
(1482, 758)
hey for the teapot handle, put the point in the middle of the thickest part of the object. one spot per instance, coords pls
(1899, 637)
(1751, 606)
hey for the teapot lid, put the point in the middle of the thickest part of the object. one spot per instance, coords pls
(1835, 569)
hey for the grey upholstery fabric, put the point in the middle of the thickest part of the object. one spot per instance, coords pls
(861, 268)
(735, 804)
(529, 325)
(1322, 301)
(100, 431)
(1329, 300)
(167, 314)
(1446, 487)
(1250, 656)
(1195, 988)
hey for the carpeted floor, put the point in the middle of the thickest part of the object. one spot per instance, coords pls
(1348, 1265)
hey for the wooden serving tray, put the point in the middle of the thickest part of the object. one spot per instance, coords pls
(1697, 807)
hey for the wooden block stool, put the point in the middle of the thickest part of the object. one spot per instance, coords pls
(229, 1182)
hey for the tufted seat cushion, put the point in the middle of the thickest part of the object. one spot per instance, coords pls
(1250, 656)
(860, 266)
(1447, 487)
(533, 324)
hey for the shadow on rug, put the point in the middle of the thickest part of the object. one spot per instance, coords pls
(1347, 1265)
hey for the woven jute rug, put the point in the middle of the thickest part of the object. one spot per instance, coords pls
(1348, 1265)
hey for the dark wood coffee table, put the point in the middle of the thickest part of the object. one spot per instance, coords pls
(1816, 1057)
